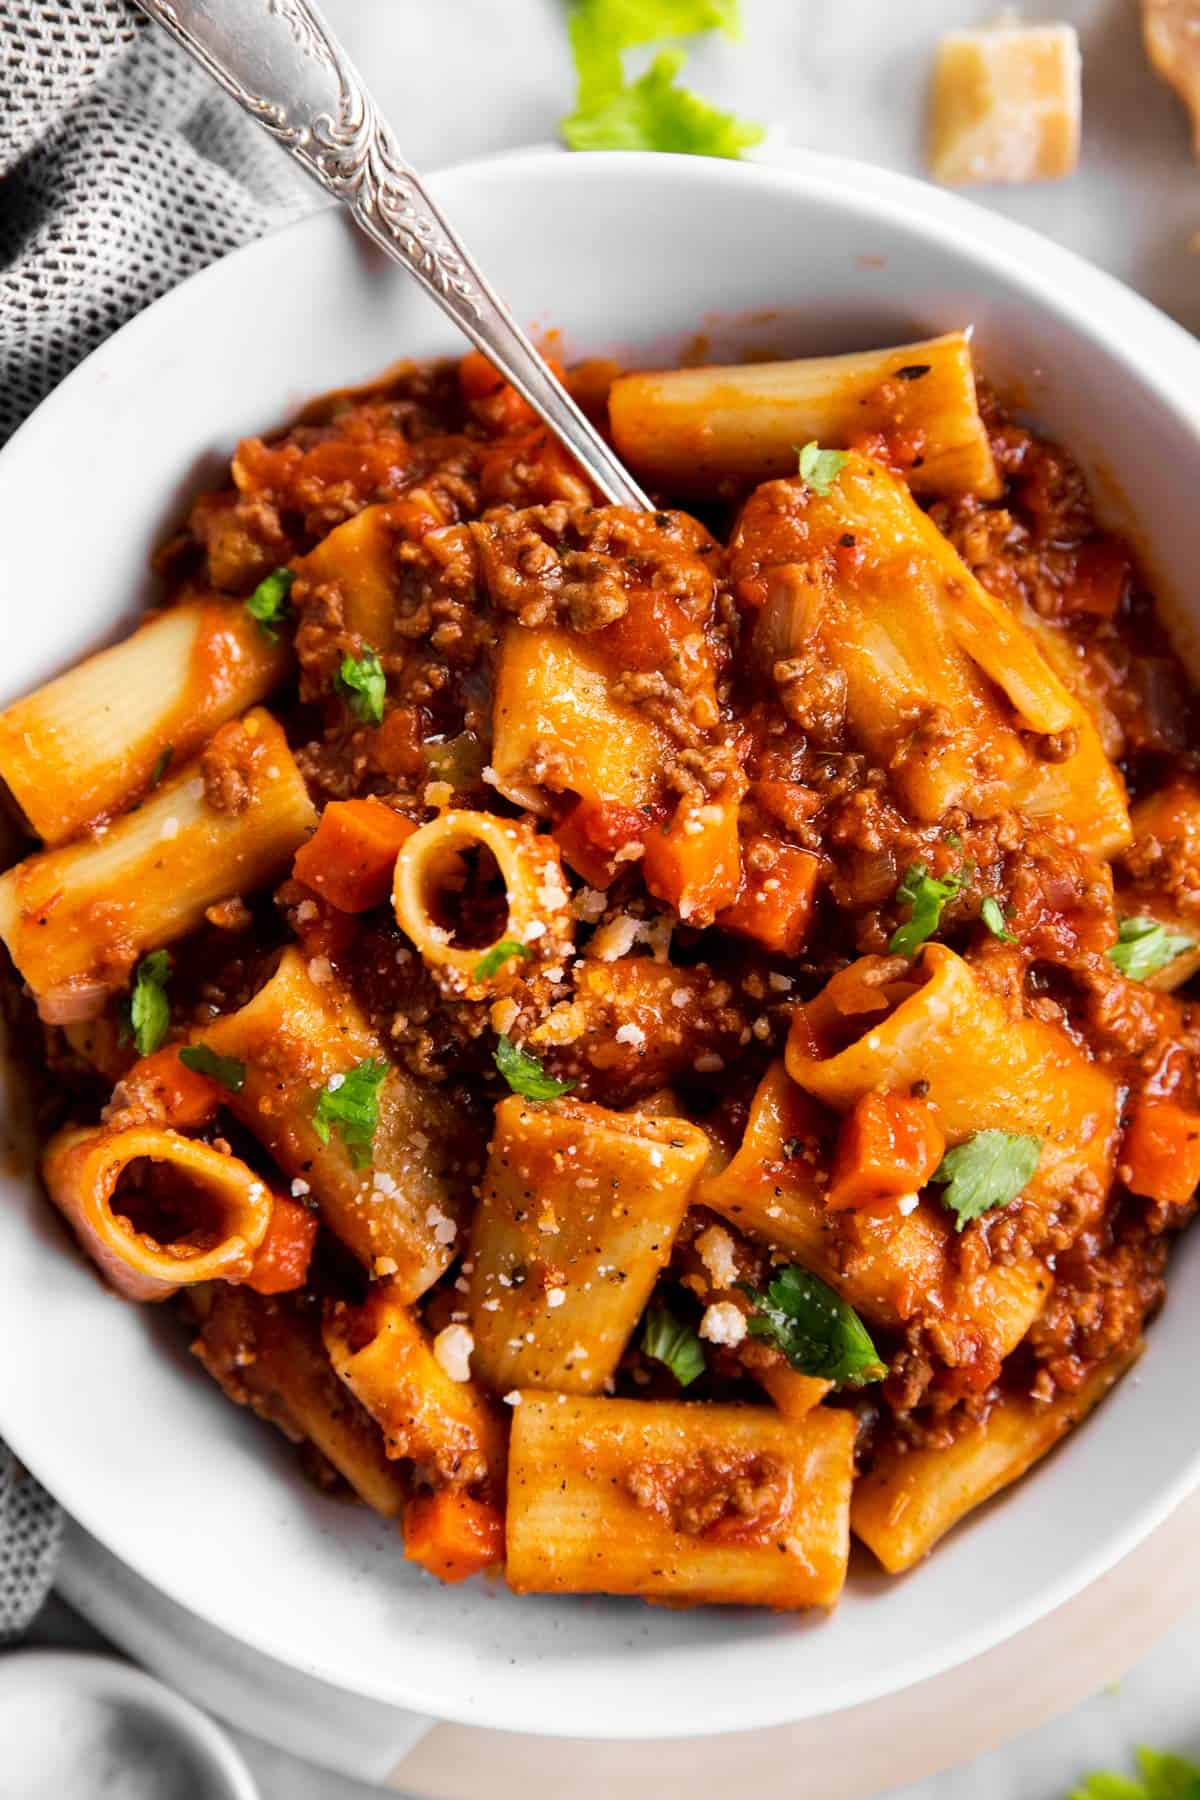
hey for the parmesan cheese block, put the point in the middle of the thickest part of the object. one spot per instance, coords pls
(1005, 105)
(1171, 29)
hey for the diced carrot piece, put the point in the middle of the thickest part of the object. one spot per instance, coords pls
(452, 1534)
(281, 1260)
(168, 1089)
(695, 862)
(1160, 1155)
(350, 857)
(592, 832)
(775, 905)
(889, 1145)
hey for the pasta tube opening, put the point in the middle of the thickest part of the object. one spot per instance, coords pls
(524, 910)
(157, 1211)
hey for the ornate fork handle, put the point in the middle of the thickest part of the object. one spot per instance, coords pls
(281, 62)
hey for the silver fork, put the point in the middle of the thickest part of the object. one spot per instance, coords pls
(282, 63)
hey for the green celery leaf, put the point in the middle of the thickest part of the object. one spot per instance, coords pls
(652, 113)
(203, 1060)
(925, 897)
(1144, 946)
(363, 685)
(992, 914)
(149, 1010)
(814, 1327)
(600, 30)
(349, 1104)
(668, 1340)
(268, 602)
(986, 1171)
(1163, 1777)
(495, 959)
(525, 1074)
(820, 468)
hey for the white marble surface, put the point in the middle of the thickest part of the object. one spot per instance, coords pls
(463, 77)
(841, 75)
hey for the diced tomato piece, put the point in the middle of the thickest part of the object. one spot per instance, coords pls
(452, 1534)
(281, 1260)
(1101, 579)
(487, 392)
(790, 802)
(1160, 1155)
(350, 857)
(652, 629)
(591, 833)
(695, 862)
(775, 905)
(889, 1145)
(396, 746)
(477, 376)
(167, 1088)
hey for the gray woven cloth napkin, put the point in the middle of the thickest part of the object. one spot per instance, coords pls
(122, 170)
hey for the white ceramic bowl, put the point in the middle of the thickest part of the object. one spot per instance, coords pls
(634, 255)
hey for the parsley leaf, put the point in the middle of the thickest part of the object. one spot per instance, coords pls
(203, 1060)
(149, 1012)
(668, 1340)
(651, 113)
(497, 956)
(349, 1104)
(1163, 1777)
(925, 897)
(1144, 946)
(992, 914)
(268, 602)
(986, 1171)
(525, 1074)
(820, 468)
(363, 684)
(162, 763)
(813, 1326)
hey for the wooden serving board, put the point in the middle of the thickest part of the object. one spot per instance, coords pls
(868, 1750)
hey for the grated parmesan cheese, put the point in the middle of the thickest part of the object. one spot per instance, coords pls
(1005, 105)
(452, 1347)
(723, 1323)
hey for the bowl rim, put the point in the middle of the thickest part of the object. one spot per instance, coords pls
(92, 1674)
(1123, 326)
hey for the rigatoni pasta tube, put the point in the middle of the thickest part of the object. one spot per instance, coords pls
(430, 863)
(76, 919)
(557, 727)
(910, 1498)
(267, 1354)
(578, 1214)
(983, 1067)
(360, 559)
(215, 1209)
(89, 742)
(706, 1504)
(891, 1266)
(942, 684)
(399, 1214)
(692, 430)
(447, 1427)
